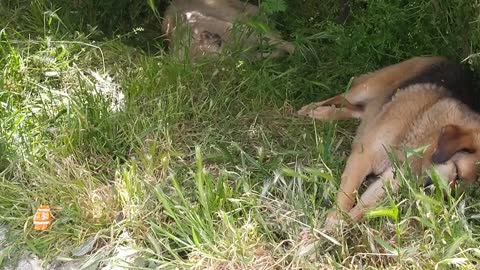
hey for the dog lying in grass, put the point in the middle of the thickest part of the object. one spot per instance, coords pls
(424, 101)
(211, 23)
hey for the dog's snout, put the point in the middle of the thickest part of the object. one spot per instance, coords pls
(427, 184)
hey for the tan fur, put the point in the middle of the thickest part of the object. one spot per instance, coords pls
(419, 115)
(217, 18)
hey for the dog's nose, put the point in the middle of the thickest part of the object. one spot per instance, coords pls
(427, 184)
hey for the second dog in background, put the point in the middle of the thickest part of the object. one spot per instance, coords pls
(210, 23)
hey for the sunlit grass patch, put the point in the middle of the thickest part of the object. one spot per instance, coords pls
(148, 159)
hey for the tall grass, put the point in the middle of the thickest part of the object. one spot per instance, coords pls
(151, 161)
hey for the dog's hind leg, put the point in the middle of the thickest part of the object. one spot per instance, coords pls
(335, 108)
(377, 85)
(343, 106)
(374, 194)
(350, 104)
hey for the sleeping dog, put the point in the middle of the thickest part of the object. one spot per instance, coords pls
(211, 23)
(424, 101)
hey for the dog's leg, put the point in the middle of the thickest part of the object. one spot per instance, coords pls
(276, 41)
(376, 85)
(374, 194)
(347, 105)
(282, 48)
(357, 168)
(335, 108)
(449, 172)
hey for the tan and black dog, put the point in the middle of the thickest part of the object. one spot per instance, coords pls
(424, 101)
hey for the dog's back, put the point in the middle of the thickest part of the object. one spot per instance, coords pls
(456, 78)
(421, 104)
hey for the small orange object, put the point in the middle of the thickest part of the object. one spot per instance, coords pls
(42, 218)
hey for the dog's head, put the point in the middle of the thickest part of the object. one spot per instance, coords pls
(460, 146)
(208, 42)
(205, 43)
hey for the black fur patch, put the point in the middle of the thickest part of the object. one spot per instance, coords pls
(456, 78)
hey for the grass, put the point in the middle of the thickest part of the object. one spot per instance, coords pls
(149, 159)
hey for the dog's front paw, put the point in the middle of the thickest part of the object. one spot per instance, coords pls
(333, 221)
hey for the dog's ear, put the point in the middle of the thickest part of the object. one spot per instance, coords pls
(452, 140)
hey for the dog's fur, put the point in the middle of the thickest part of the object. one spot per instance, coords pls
(424, 101)
(211, 23)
